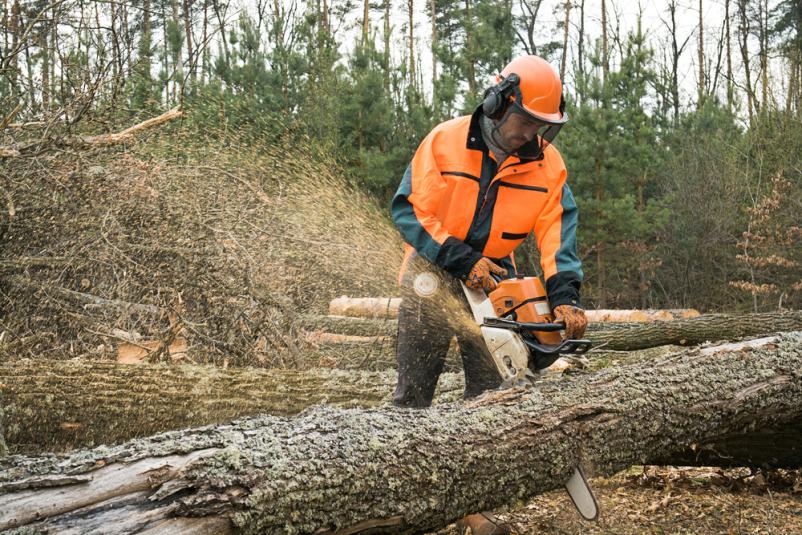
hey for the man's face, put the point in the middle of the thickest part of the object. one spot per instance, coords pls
(517, 129)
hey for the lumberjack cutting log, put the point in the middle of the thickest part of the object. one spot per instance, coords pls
(476, 187)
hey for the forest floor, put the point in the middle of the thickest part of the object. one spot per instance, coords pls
(671, 500)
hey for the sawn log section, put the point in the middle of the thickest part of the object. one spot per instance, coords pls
(51, 405)
(407, 470)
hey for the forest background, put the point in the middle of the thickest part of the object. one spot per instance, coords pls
(689, 184)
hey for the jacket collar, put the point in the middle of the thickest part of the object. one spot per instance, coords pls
(528, 152)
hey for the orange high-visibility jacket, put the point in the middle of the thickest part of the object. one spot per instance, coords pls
(455, 205)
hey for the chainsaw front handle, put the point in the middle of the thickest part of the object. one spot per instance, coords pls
(564, 347)
(518, 326)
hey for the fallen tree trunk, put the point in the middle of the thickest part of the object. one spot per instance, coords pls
(387, 308)
(396, 470)
(613, 336)
(694, 331)
(56, 404)
(765, 447)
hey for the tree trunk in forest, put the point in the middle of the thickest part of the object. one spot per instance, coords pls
(676, 51)
(188, 32)
(411, 23)
(56, 404)
(402, 470)
(469, 52)
(6, 26)
(580, 47)
(566, 22)
(221, 26)
(730, 84)
(763, 21)
(701, 50)
(178, 61)
(12, 60)
(46, 59)
(365, 22)
(605, 46)
(433, 16)
(386, 45)
(744, 45)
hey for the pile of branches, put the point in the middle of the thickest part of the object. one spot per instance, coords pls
(176, 236)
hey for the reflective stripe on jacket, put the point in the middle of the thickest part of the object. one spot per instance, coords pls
(455, 205)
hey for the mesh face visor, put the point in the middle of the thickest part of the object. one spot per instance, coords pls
(546, 130)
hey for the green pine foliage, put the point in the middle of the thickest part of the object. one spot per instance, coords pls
(665, 201)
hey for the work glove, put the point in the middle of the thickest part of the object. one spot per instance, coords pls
(574, 318)
(480, 276)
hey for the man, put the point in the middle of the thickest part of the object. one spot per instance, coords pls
(476, 187)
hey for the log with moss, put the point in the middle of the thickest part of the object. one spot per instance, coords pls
(357, 470)
(56, 404)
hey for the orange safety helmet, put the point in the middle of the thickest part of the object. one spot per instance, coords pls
(528, 85)
(535, 89)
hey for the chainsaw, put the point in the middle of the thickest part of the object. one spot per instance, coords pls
(519, 329)
(522, 337)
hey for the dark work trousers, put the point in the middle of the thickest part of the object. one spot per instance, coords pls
(425, 330)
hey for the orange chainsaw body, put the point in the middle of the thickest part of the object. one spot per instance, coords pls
(524, 299)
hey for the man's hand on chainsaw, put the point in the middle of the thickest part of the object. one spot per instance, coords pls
(480, 276)
(574, 318)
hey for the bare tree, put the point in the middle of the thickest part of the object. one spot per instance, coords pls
(701, 59)
(729, 55)
(529, 10)
(187, 4)
(411, 39)
(763, 34)
(433, 15)
(365, 21)
(580, 46)
(605, 45)
(10, 61)
(676, 52)
(743, 38)
(469, 46)
(566, 23)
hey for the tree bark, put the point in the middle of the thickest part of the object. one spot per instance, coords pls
(56, 405)
(401, 470)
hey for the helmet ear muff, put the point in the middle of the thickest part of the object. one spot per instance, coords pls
(497, 98)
